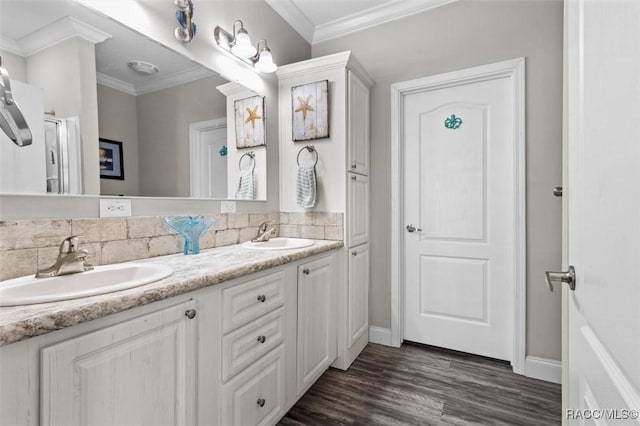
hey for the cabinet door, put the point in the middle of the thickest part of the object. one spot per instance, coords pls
(358, 214)
(317, 336)
(358, 292)
(140, 372)
(358, 126)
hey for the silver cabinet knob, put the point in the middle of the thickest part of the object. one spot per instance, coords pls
(568, 277)
(262, 298)
(261, 402)
(190, 313)
(305, 271)
(411, 228)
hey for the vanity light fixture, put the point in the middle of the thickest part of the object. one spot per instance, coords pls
(239, 45)
(143, 68)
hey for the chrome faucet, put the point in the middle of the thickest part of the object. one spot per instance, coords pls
(264, 233)
(70, 260)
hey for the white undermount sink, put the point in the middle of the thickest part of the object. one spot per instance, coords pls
(279, 243)
(103, 279)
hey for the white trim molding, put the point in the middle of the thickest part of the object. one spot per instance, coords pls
(379, 335)
(160, 83)
(545, 369)
(195, 141)
(370, 17)
(514, 70)
(54, 33)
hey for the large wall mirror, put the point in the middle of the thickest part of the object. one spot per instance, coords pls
(114, 113)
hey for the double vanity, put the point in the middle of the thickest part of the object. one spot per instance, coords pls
(234, 336)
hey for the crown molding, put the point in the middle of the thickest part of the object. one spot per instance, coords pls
(115, 84)
(161, 83)
(288, 10)
(175, 79)
(326, 63)
(59, 31)
(377, 15)
(391, 11)
(234, 89)
(10, 45)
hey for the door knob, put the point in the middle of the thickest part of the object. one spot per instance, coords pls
(568, 277)
(411, 228)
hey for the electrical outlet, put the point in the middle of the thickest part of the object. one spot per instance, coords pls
(227, 207)
(115, 207)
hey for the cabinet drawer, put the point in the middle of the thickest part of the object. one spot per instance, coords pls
(247, 344)
(256, 396)
(246, 302)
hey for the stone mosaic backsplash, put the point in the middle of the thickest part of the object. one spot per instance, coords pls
(29, 245)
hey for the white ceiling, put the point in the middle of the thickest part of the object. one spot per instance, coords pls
(29, 26)
(320, 20)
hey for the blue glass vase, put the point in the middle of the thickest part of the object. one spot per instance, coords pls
(191, 228)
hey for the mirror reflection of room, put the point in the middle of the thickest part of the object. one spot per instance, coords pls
(167, 123)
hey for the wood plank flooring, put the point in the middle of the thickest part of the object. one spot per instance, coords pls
(423, 385)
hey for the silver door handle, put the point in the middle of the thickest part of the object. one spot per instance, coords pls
(568, 277)
(411, 228)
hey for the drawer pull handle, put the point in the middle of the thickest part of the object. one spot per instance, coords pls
(353, 178)
(354, 253)
(190, 313)
(261, 402)
(305, 271)
(262, 298)
(354, 165)
(261, 339)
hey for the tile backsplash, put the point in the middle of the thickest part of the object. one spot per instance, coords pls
(29, 245)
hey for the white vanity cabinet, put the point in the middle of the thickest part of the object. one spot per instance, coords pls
(317, 333)
(238, 353)
(254, 316)
(141, 372)
(359, 262)
(342, 173)
(358, 125)
(358, 213)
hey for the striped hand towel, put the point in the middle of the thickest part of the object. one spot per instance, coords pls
(246, 186)
(306, 187)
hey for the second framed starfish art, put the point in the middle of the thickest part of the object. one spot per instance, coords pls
(310, 107)
(249, 122)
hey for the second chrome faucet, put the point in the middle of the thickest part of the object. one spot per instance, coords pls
(264, 233)
(70, 260)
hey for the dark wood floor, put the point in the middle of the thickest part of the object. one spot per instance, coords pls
(423, 385)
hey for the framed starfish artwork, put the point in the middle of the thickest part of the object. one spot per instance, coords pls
(249, 117)
(310, 107)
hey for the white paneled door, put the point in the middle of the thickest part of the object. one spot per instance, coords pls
(603, 174)
(459, 196)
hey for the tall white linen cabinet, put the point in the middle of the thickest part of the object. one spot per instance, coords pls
(342, 174)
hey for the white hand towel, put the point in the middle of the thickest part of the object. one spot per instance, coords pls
(246, 186)
(306, 186)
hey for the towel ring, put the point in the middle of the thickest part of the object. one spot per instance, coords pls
(251, 155)
(311, 149)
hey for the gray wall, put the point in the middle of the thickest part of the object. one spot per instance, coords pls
(118, 121)
(163, 131)
(456, 36)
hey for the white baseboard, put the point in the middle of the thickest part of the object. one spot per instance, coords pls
(546, 369)
(379, 335)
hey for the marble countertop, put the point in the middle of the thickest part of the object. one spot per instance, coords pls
(190, 273)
